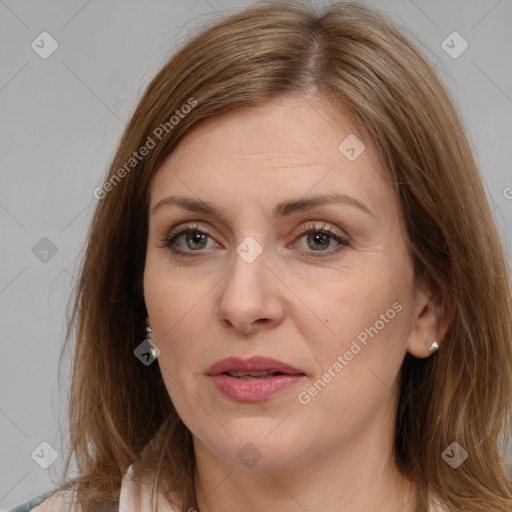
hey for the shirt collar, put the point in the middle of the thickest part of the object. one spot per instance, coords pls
(141, 497)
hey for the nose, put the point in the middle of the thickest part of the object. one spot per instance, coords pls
(250, 296)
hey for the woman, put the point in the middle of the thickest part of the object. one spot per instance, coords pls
(295, 221)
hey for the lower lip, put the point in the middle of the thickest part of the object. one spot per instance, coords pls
(254, 390)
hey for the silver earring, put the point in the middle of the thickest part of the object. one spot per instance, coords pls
(434, 347)
(148, 328)
(154, 350)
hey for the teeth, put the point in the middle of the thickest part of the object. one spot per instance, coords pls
(248, 375)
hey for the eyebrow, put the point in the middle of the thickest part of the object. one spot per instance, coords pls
(280, 210)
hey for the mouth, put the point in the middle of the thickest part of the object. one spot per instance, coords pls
(253, 380)
(254, 375)
(256, 367)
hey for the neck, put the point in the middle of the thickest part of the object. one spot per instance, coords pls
(358, 473)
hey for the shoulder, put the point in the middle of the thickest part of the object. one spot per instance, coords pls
(136, 495)
(54, 501)
(60, 501)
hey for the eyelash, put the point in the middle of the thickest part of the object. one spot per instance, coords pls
(194, 228)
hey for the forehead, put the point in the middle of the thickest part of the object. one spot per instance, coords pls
(283, 130)
(287, 147)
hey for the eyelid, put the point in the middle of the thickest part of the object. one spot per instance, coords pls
(329, 229)
(325, 226)
(184, 228)
(305, 228)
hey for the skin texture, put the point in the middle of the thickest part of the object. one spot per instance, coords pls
(334, 452)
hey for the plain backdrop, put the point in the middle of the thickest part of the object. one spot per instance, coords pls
(61, 120)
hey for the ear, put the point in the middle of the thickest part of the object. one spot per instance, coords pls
(432, 318)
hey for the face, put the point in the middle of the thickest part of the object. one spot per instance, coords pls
(325, 288)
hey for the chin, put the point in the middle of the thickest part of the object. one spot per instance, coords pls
(254, 448)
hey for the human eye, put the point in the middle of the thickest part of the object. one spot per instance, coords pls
(195, 236)
(322, 236)
(196, 239)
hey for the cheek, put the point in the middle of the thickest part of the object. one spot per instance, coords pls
(368, 308)
(179, 313)
(358, 362)
(180, 326)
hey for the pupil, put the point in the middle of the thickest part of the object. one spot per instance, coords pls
(195, 238)
(318, 238)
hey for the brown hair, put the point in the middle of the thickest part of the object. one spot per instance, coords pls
(348, 55)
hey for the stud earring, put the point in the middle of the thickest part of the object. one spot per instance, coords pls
(434, 347)
(149, 331)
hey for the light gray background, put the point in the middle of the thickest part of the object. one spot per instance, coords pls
(61, 120)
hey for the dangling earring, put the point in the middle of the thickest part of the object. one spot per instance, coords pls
(154, 350)
(434, 347)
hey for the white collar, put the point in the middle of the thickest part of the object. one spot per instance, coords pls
(137, 497)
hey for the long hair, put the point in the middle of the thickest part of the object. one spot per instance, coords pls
(347, 55)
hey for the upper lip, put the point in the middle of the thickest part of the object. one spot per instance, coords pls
(252, 364)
